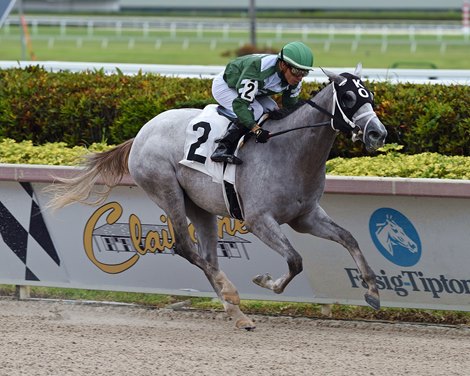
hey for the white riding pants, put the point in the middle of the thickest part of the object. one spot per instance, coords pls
(225, 96)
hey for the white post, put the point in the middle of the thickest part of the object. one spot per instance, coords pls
(63, 27)
(304, 33)
(90, 28)
(278, 31)
(331, 32)
(384, 39)
(226, 31)
(200, 29)
(119, 28)
(145, 29)
(23, 292)
(34, 25)
(326, 310)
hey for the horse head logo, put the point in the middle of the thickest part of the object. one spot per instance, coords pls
(391, 234)
(395, 237)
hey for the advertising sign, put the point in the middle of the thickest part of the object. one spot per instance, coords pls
(417, 246)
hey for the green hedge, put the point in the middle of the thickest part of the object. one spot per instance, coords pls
(83, 108)
(391, 163)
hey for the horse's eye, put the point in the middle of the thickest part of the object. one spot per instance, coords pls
(348, 99)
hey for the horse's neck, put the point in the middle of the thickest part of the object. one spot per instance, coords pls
(313, 145)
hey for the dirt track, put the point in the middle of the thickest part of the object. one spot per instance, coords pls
(60, 338)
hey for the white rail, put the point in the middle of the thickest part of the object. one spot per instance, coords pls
(431, 76)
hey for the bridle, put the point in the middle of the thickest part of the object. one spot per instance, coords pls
(338, 119)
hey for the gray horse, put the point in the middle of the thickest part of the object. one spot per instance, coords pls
(280, 182)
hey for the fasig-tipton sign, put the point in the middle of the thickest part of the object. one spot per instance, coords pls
(418, 245)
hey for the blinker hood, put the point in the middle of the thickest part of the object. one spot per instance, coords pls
(354, 84)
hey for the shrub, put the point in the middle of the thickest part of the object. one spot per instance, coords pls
(89, 107)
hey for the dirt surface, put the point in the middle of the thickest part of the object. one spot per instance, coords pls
(64, 338)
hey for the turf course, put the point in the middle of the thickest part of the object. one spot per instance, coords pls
(209, 47)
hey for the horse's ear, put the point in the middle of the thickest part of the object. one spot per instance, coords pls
(333, 77)
(358, 70)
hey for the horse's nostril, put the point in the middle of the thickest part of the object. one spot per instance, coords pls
(374, 136)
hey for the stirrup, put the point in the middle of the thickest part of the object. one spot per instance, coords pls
(228, 158)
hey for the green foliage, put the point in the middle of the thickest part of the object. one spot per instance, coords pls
(424, 165)
(48, 154)
(83, 108)
(89, 107)
(392, 164)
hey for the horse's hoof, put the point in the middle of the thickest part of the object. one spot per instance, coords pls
(264, 280)
(373, 301)
(246, 324)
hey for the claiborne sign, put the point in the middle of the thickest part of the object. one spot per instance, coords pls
(158, 239)
(418, 246)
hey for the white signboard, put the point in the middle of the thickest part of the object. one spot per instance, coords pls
(417, 246)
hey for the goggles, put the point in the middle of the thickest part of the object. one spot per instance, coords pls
(298, 72)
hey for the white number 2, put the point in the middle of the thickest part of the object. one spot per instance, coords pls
(248, 90)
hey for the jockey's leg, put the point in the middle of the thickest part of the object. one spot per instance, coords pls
(228, 144)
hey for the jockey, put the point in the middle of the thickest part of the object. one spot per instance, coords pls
(245, 89)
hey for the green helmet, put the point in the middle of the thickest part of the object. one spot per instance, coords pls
(298, 55)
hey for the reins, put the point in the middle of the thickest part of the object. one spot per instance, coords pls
(317, 125)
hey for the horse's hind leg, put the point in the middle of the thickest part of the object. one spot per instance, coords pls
(269, 231)
(318, 223)
(170, 198)
(206, 231)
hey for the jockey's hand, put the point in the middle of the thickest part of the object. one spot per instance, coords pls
(262, 135)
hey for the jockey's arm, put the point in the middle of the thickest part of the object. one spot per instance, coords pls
(291, 95)
(245, 116)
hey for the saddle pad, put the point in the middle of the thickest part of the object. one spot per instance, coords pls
(201, 134)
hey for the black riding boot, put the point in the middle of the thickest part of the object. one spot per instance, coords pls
(228, 144)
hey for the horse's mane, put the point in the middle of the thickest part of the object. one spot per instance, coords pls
(281, 113)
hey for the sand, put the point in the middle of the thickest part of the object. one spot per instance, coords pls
(65, 338)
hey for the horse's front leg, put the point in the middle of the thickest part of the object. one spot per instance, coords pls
(318, 223)
(269, 232)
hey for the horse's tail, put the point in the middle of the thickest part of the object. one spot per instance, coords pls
(108, 167)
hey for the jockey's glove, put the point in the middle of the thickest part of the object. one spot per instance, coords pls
(262, 135)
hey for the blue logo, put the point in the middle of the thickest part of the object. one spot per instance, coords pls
(395, 237)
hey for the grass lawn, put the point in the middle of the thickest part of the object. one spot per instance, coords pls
(212, 48)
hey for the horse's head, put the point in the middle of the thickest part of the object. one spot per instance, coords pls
(353, 109)
(390, 233)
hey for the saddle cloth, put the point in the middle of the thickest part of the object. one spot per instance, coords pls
(201, 134)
